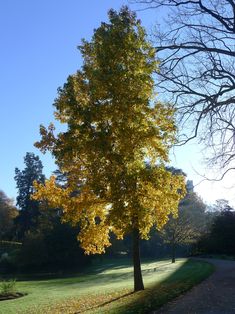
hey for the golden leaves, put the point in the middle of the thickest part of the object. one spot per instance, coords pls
(114, 127)
(47, 138)
(94, 238)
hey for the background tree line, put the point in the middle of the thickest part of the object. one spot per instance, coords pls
(34, 238)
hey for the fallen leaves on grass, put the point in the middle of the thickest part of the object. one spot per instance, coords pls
(84, 303)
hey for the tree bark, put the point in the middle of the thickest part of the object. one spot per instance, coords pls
(173, 251)
(138, 280)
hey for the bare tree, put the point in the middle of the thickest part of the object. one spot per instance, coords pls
(188, 226)
(197, 71)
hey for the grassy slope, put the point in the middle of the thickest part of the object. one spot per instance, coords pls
(107, 288)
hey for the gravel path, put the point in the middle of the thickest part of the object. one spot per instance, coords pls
(215, 295)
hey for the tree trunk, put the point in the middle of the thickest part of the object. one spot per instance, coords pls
(173, 251)
(138, 280)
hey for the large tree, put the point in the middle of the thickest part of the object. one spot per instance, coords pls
(196, 46)
(29, 208)
(114, 126)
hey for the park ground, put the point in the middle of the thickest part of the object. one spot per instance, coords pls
(107, 286)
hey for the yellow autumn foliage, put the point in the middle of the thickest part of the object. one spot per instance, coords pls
(117, 141)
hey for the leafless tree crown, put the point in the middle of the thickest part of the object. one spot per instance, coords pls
(197, 72)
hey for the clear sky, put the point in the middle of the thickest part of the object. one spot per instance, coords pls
(38, 52)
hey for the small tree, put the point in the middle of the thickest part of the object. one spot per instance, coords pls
(114, 126)
(188, 226)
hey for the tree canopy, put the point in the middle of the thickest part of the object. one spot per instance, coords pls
(115, 127)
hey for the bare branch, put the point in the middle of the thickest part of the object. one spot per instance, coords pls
(197, 72)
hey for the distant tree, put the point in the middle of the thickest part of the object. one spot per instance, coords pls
(8, 212)
(154, 247)
(220, 239)
(194, 206)
(176, 171)
(113, 127)
(221, 205)
(189, 186)
(188, 226)
(29, 209)
(52, 246)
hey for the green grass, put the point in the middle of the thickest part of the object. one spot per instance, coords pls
(107, 288)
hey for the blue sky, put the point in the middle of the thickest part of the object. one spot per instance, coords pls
(38, 52)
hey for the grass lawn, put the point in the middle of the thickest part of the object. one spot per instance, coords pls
(107, 288)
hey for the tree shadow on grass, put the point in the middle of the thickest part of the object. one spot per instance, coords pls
(107, 302)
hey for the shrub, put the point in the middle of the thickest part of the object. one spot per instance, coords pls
(8, 287)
